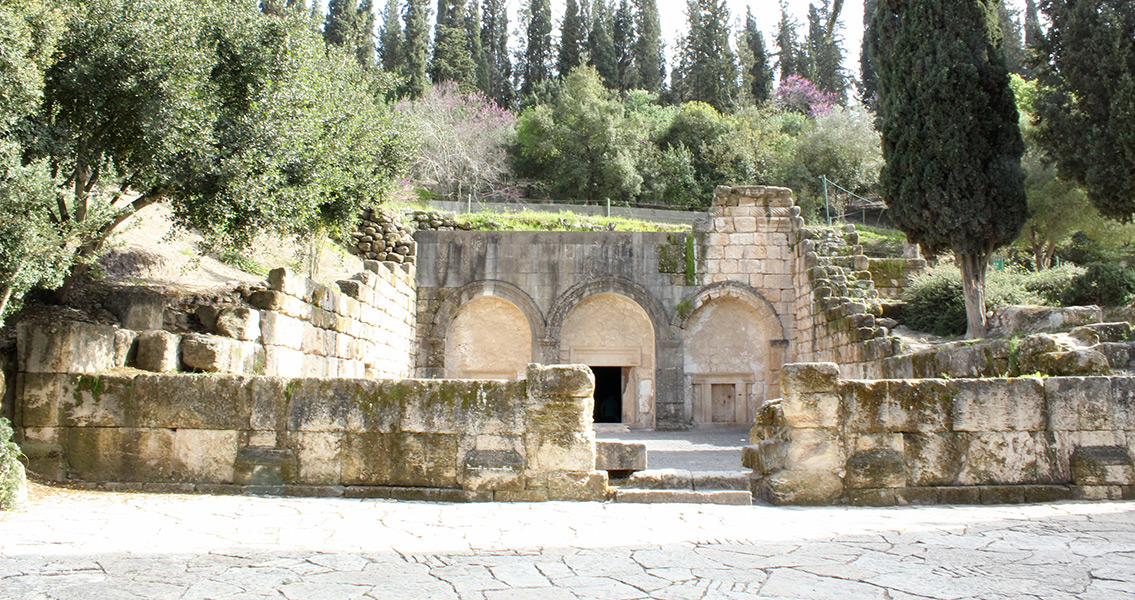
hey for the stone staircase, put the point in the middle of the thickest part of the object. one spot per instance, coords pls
(632, 482)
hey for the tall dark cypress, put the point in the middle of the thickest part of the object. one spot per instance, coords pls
(868, 84)
(788, 49)
(341, 26)
(1011, 40)
(391, 44)
(948, 119)
(623, 36)
(825, 57)
(573, 34)
(473, 41)
(451, 60)
(417, 50)
(708, 68)
(760, 77)
(1033, 33)
(649, 60)
(494, 43)
(365, 50)
(537, 57)
(602, 45)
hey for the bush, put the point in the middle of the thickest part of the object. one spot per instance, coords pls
(1052, 285)
(936, 304)
(1102, 284)
(10, 471)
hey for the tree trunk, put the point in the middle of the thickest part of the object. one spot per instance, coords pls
(5, 296)
(973, 287)
(1038, 250)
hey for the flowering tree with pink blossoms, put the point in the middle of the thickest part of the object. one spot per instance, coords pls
(797, 94)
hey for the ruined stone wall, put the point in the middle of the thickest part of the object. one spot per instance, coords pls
(448, 440)
(290, 326)
(881, 442)
(893, 275)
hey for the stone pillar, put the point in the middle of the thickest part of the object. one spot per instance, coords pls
(813, 456)
(559, 440)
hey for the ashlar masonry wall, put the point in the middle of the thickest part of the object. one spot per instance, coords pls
(880, 442)
(443, 440)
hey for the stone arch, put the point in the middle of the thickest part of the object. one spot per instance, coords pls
(733, 348)
(488, 338)
(731, 289)
(437, 341)
(581, 291)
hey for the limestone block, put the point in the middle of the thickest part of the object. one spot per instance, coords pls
(400, 459)
(1107, 332)
(1123, 404)
(932, 458)
(257, 465)
(811, 410)
(620, 456)
(319, 456)
(1009, 320)
(1079, 361)
(722, 480)
(813, 450)
(136, 308)
(1010, 457)
(212, 354)
(1102, 465)
(560, 451)
(204, 456)
(662, 479)
(764, 457)
(240, 323)
(807, 488)
(182, 401)
(866, 404)
(125, 347)
(725, 497)
(281, 330)
(744, 224)
(268, 403)
(1079, 403)
(45, 459)
(808, 378)
(284, 362)
(158, 351)
(878, 468)
(266, 300)
(41, 395)
(500, 469)
(291, 283)
(586, 486)
(1119, 355)
(65, 347)
(998, 405)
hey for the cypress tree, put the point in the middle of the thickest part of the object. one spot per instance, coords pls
(538, 50)
(494, 43)
(648, 55)
(824, 53)
(391, 45)
(868, 85)
(451, 59)
(602, 45)
(572, 38)
(1086, 99)
(341, 26)
(623, 36)
(476, 48)
(417, 46)
(1011, 40)
(948, 119)
(708, 69)
(365, 50)
(758, 71)
(787, 59)
(1033, 33)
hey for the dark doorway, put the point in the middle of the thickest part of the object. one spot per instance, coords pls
(608, 394)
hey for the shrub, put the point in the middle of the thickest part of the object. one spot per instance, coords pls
(1103, 284)
(10, 471)
(1052, 285)
(935, 303)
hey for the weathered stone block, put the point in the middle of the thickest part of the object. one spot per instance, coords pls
(281, 330)
(1123, 404)
(492, 470)
(878, 468)
(1102, 466)
(808, 488)
(620, 456)
(1079, 403)
(919, 406)
(577, 485)
(659, 479)
(873, 497)
(932, 459)
(813, 450)
(400, 459)
(1010, 457)
(319, 457)
(998, 405)
(722, 480)
(1075, 362)
(138, 309)
(264, 466)
(808, 378)
(215, 354)
(765, 456)
(724, 497)
(867, 406)
(239, 323)
(125, 347)
(811, 409)
(64, 347)
(45, 459)
(283, 362)
(158, 351)
(1008, 320)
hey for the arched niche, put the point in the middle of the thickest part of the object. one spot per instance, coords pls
(614, 335)
(488, 338)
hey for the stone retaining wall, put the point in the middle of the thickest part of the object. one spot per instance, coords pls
(482, 440)
(881, 442)
(893, 275)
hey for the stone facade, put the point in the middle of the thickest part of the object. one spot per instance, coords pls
(464, 440)
(880, 442)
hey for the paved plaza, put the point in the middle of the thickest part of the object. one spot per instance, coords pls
(94, 545)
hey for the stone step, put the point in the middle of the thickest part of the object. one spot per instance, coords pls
(611, 455)
(651, 496)
(684, 480)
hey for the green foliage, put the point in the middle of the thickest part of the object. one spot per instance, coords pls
(452, 60)
(494, 41)
(699, 128)
(707, 71)
(1053, 285)
(756, 71)
(538, 50)
(648, 56)
(868, 82)
(825, 56)
(416, 52)
(573, 36)
(935, 302)
(788, 58)
(391, 44)
(9, 466)
(1102, 284)
(1086, 99)
(601, 43)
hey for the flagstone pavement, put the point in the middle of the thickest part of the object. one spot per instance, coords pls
(94, 545)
